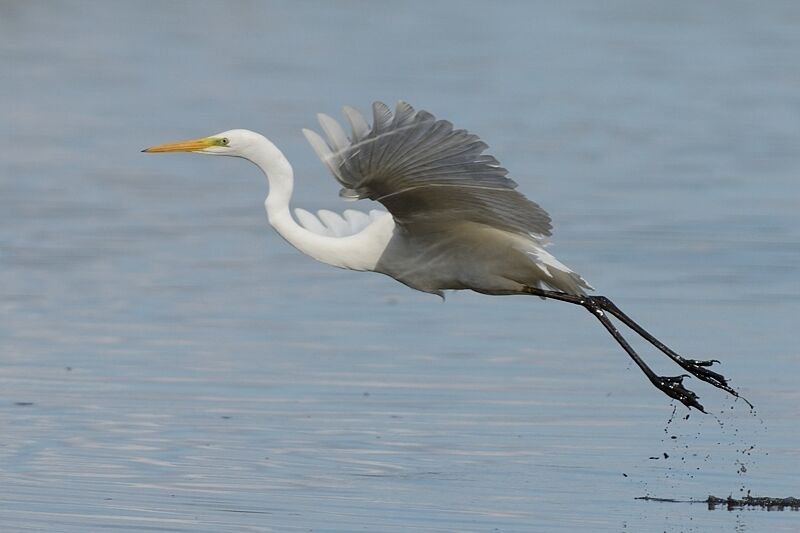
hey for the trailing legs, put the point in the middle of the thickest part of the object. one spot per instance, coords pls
(672, 386)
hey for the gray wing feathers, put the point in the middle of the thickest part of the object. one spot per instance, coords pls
(424, 171)
(358, 125)
(334, 132)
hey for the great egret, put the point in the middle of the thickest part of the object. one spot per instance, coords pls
(454, 220)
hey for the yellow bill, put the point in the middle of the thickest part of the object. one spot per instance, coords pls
(191, 145)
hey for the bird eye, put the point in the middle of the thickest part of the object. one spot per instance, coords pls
(225, 141)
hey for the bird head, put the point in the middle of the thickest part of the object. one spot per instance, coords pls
(231, 143)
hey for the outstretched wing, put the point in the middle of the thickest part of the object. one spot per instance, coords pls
(424, 172)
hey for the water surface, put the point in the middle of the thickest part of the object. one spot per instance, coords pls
(168, 363)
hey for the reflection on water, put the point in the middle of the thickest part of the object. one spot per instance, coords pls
(169, 364)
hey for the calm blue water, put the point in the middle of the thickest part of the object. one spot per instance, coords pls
(168, 363)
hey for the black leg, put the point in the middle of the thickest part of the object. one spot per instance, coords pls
(671, 386)
(697, 368)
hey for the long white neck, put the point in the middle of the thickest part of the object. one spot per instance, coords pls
(357, 252)
(280, 177)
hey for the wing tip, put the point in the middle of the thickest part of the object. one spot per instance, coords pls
(337, 138)
(318, 144)
(358, 124)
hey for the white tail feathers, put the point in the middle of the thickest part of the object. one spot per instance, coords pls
(557, 275)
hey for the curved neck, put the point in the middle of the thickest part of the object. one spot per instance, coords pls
(340, 252)
(280, 177)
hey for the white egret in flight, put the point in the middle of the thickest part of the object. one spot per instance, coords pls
(454, 219)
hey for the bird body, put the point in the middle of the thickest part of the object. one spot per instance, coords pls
(454, 220)
(469, 255)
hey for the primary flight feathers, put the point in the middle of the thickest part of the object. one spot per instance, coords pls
(424, 171)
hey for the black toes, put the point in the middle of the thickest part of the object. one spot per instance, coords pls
(702, 372)
(699, 369)
(697, 362)
(673, 387)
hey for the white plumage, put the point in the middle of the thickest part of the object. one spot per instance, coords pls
(332, 224)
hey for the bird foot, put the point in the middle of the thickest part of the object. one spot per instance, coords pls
(673, 387)
(700, 370)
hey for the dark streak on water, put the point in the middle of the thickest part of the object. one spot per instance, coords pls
(731, 504)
